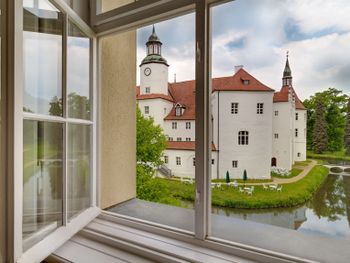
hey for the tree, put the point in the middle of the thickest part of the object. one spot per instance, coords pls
(320, 130)
(150, 141)
(335, 105)
(347, 131)
(150, 144)
(245, 176)
(227, 177)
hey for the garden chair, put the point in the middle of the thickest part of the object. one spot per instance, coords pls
(265, 187)
(241, 190)
(235, 184)
(279, 189)
(250, 191)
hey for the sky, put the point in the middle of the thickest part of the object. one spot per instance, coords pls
(257, 35)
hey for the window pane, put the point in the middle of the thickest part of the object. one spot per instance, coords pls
(42, 179)
(42, 59)
(78, 73)
(163, 185)
(79, 175)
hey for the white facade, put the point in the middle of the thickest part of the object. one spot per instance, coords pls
(184, 129)
(155, 77)
(253, 128)
(255, 156)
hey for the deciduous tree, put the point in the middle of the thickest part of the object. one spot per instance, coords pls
(320, 129)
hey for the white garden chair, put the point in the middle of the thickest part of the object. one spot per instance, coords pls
(241, 190)
(279, 189)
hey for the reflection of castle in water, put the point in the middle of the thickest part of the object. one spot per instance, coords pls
(286, 218)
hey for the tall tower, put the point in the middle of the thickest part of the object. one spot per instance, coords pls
(154, 68)
(287, 74)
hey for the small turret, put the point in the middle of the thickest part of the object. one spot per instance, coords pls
(287, 74)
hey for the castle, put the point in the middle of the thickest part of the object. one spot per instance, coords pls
(254, 127)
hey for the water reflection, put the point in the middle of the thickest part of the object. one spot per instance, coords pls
(328, 213)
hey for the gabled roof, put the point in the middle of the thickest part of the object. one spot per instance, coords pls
(236, 83)
(174, 145)
(184, 94)
(282, 96)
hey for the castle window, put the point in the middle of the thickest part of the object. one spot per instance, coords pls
(212, 161)
(243, 138)
(235, 164)
(296, 132)
(299, 154)
(148, 90)
(276, 112)
(188, 139)
(178, 160)
(234, 108)
(170, 139)
(174, 125)
(146, 109)
(246, 82)
(276, 135)
(178, 111)
(260, 108)
(166, 159)
(188, 125)
(296, 116)
(179, 139)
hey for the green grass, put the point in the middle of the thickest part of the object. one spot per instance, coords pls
(241, 181)
(340, 155)
(292, 194)
(293, 173)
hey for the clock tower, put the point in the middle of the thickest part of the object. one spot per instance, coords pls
(154, 68)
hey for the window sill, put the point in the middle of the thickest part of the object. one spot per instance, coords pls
(53, 241)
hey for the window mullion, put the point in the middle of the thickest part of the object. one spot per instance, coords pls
(203, 141)
(65, 115)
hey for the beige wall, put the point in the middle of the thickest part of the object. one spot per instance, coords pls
(107, 5)
(118, 119)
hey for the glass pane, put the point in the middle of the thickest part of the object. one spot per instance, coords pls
(267, 113)
(79, 175)
(42, 179)
(165, 124)
(42, 58)
(78, 73)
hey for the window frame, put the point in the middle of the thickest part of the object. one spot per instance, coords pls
(234, 107)
(243, 137)
(49, 243)
(146, 109)
(260, 108)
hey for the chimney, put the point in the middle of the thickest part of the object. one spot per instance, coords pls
(238, 67)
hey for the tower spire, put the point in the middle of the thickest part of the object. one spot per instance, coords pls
(287, 73)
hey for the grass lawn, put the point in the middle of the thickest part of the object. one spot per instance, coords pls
(292, 194)
(293, 173)
(241, 181)
(340, 155)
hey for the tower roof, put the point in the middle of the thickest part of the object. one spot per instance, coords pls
(287, 71)
(153, 37)
(154, 56)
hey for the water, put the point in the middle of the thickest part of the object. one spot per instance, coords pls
(327, 214)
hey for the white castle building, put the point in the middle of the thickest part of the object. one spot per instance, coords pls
(254, 127)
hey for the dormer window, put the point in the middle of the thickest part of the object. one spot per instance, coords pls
(148, 90)
(179, 109)
(246, 82)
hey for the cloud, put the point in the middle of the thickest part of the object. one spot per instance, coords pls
(257, 34)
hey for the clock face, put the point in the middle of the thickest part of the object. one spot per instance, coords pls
(147, 71)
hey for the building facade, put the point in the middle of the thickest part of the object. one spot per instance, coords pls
(254, 127)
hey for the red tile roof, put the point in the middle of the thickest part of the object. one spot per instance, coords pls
(282, 96)
(154, 96)
(235, 83)
(175, 145)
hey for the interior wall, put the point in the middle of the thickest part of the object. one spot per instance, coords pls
(117, 116)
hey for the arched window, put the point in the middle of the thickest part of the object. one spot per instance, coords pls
(243, 137)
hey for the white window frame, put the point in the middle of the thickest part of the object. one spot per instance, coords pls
(234, 163)
(188, 139)
(296, 131)
(146, 109)
(179, 139)
(276, 135)
(119, 20)
(148, 90)
(243, 137)
(54, 240)
(188, 125)
(296, 116)
(178, 160)
(174, 125)
(276, 112)
(234, 107)
(260, 108)
(166, 159)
